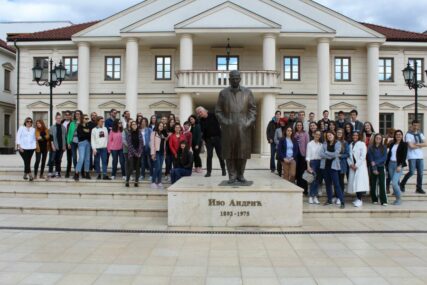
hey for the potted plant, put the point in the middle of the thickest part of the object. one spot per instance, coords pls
(6, 149)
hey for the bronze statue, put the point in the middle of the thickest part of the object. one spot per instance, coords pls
(236, 113)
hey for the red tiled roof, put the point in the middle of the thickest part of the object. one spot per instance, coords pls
(60, 34)
(396, 35)
(4, 45)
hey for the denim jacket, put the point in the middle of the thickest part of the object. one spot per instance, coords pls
(343, 157)
(325, 154)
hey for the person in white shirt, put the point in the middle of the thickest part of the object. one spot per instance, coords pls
(416, 143)
(99, 142)
(313, 159)
(26, 144)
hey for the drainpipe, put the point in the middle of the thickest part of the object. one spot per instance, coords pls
(18, 60)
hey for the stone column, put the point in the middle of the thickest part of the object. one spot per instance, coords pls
(269, 52)
(373, 86)
(132, 60)
(186, 106)
(268, 107)
(323, 76)
(186, 52)
(84, 73)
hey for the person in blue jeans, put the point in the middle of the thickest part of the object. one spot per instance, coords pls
(396, 161)
(331, 166)
(313, 158)
(99, 142)
(83, 134)
(146, 155)
(183, 163)
(158, 152)
(416, 142)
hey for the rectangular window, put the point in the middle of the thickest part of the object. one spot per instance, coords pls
(386, 122)
(291, 68)
(7, 80)
(342, 69)
(420, 67)
(223, 64)
(71, 66)
(113, 67)
(6, 125)
(40, 115)
(411, 117)
(43, 62)
(385, 69)
(163, 67)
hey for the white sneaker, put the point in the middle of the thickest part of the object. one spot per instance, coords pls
(338, 202)
(160, 185)
(113, 177)
(316, 201)
(334, 200)
(355, 201)
(310, 200)
(124, 178)
(358, 203)
(153, 185)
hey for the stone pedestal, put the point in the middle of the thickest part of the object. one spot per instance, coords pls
(269, 202)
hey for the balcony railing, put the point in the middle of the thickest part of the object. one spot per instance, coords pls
(219, 79)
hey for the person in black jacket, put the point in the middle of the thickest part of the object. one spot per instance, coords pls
(183, 162)
(396, 161)
(271, 130)
(196, 143)
(83, 134)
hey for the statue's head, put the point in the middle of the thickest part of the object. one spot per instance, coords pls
(235, 78)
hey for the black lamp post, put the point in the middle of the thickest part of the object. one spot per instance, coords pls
(56, 76)
(228, 51)
(410, 75)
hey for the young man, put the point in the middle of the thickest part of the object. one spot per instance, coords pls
(325, 120)
(58, 146)
(66, 123)
(110, 120)
(357, 125)
(125, 119)
(271, 130)
(311, 117)
(92, 125)
(341, 120)
(416, 143)
(292, 120)
(99, 141)
(305, 123)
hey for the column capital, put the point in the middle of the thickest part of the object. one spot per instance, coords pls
(270, 35)
(324, 40)
(186, 36)
(373, 45)
(132, 40)
(83, 44)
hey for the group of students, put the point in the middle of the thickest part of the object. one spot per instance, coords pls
(332, 150)
(140, 146)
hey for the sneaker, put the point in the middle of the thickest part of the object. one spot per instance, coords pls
(113, 177)
(316, 201)
(208, 175)
(342, 206)
(141, 178)
(338, 202)
(25, 176)
(167, 178)
(358, 203)
(384, 204)
(99, 177)
(420, 191)
(153, 186)
(402, 187)
(327, 203)
(334, 200)
(31, 177)
(355, 201)
(160, 185)
(310, 200)
(397, 202)
(87, 176)
(375, 203)
(106, 178)
(123, 177)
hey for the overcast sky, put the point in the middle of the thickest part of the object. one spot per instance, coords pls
(394, 13)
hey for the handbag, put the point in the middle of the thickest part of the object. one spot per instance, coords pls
(309, 177)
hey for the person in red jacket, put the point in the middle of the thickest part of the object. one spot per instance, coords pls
(187, 134)
(174, 140)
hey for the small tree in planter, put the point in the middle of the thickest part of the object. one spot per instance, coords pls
(6, 149)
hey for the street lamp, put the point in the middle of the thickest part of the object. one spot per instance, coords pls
(56, 76)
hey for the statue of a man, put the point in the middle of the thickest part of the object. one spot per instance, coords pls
(236, 113)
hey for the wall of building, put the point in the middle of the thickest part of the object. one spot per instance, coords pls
(7, 98)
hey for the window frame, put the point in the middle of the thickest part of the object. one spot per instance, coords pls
(384, 59)
(341, 58)
(71, 67)
(6, 127)
(422, 66)
(228, 69)
(163, 65)
(47, 67)
(381, 122)
(7, 81)
(114, 57)
(291, 57)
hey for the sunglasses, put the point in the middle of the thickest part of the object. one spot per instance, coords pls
(29, 122)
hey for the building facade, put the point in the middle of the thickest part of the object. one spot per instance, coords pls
(7, 98)
(170, 56)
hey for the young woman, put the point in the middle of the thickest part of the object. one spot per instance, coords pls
(312, 130)
(72, 138)
(158, 152)
(377, 155)
(358, 179)
(153, 122)
(125, 135)
(302, 139)
(169, 131)
(99, 142)
(146, 156)
(387, 141)
(287, 152)
(115, 148)
(135, 144)
(183, 162)
(196, 142)
(331, 166)
(313, 158)
(26, 144)
(344, 153)
(139, 118)
(174, 140)
(396, 161)
(42, 148)
(84, 137)
(278, 134)
(368, 133)
(333, 126)
(186, 133)
(348, 132)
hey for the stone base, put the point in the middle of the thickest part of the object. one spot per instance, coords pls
(269, 202)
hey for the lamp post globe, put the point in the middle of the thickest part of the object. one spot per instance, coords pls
(37, 73)
(408, 74)
(60, 71)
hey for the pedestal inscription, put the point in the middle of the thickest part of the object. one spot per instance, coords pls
(268, 202)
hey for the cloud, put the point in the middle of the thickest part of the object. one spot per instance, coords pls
(394, 13)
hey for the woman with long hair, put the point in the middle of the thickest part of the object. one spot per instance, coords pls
(344, 153)
(358, 178)
(196, 145)
(135, 144)
(139, 118)
(331, 166)
(302, 138)
(396, 161)
(84, 137)
(183, 162)
(313, 158)
(377, 155)
(26, 144)
(158, 152)
(333, 126)
(42, 148)
(278, 134)
(312, 128)
(368, 133)
(146, 154)
(169, 131)
(73, 140)
(287, 152)
(153, 122)
(175, 139)
(348, 132)
(115, 148)
(387, 141)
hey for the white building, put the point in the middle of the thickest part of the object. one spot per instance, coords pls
(7, 98)
(170, 55)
